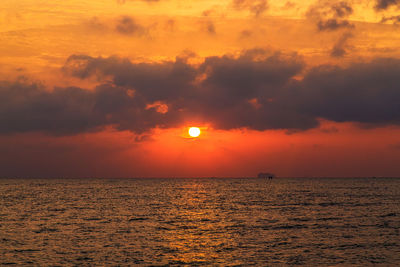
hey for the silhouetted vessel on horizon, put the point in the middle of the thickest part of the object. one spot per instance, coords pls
(266, 175)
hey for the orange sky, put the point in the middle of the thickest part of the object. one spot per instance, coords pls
(107, 88)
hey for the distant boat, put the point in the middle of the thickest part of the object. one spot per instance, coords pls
(266, 175)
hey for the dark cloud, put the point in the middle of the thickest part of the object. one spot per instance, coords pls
(393, 19)
(342, 9)
(155, 81)
(333, 24)
(127, 25)
(385, 4)
(341, 46)
(208, 26)
(66, 111)
(96, 24)
(256, 7)
(364, 92)
(241, 92)
(28, 107)
(256, 90)
(330, 16)
(246, 77)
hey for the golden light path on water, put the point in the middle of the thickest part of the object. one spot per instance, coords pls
(200, 222)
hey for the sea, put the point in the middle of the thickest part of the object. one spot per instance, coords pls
(200, 222)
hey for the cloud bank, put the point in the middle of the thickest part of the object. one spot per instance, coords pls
(258, 90)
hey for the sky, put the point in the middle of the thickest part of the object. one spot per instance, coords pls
(109, 88)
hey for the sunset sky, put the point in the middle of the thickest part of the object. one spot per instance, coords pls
(109, 88)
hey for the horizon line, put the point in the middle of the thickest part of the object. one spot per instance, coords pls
(195, 177)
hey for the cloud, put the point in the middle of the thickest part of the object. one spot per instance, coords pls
(124, 25)
(256, 7)
(363, 92)
(96, 24)
(393, 19)
(208, 26)
(154, 81)
(385, 4)
(256, 90)
(330, 16)
(339, 49)
(333, 24)
(342, 9)
(71, 110)
(28, 107)
(333, 16)
(127, 25)
(232, 84)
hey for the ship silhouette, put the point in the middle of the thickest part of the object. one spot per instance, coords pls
(266, 175)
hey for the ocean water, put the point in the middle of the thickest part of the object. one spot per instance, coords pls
(228, 222)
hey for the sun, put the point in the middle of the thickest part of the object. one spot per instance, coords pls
(194, 131)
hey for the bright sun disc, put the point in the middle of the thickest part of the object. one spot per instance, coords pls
(194, 131)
